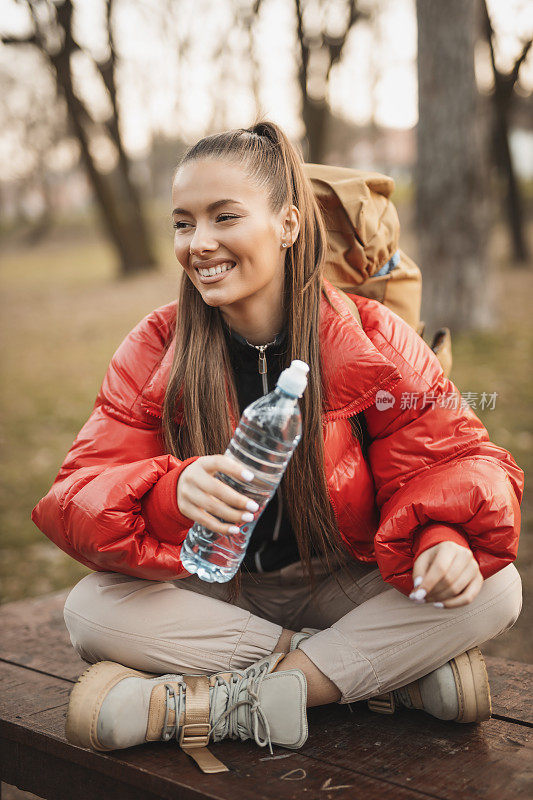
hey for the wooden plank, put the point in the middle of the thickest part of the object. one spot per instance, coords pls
(48, 776)
(493, 759)
(511, 685)
(60, 779)
(33, 634)
(368, 754)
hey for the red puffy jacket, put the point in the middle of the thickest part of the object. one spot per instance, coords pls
(431, 474)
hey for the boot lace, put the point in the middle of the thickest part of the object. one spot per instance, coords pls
(231, 728)
(170, 730)
(254, 714)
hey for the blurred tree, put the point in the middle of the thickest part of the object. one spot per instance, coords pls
(32, 133)
(117, 195)
(219, 118)
(238, 36)
(321, 42)
(502, 100)
(247, 14)
(451, 193)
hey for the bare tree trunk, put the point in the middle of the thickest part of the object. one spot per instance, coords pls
(133, 218)
(315, 115)
(451, 188)
(502, 99)
(133, 258)
(120, 212)
(315, 108)
(247, 17)
(513, 204)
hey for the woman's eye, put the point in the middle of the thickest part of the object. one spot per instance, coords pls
(221, 218)
(227, 216)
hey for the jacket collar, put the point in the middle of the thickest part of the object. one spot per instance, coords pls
(234, 336)
(353, 369)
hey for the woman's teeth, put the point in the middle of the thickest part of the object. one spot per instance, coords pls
(206, 273)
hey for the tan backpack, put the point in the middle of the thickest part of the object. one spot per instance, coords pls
(363, 255)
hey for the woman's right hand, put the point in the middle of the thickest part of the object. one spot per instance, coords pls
(204, 498)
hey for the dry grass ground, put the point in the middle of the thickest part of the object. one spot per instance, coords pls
(64, 315)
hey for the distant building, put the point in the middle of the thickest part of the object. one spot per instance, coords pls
(388, 150)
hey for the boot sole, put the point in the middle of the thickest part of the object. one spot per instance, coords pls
(86, 700)
(473, 690)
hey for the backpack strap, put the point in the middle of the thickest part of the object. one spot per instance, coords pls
(333, 291)
(358, 422)
(351, 305)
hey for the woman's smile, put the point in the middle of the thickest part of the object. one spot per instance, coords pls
(213, 270)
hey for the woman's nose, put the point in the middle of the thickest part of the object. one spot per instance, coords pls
(202, 240)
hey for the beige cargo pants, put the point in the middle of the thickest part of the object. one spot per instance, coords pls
(372, 637)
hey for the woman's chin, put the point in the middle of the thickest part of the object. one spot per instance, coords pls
(214, 299)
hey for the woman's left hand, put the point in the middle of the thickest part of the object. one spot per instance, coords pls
(450, 575)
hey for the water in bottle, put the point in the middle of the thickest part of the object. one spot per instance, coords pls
(264, 441)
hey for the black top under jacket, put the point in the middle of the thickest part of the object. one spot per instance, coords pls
(263, 554)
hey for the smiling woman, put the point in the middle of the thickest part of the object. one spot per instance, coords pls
(428, 503)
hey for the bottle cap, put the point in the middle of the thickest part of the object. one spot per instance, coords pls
(293, 380)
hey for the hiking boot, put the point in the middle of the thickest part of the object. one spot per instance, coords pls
(305, 633)
(113, 707)
(458, 691)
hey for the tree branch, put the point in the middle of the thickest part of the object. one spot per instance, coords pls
(489, 34)
(520, 60)
(19, 40)
(335, 44)
(304, 49)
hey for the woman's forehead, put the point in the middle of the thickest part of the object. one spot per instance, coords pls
(207, 181)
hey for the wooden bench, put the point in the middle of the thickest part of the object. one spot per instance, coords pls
(351, 754)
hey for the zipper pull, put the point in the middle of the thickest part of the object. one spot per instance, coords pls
(262, 359)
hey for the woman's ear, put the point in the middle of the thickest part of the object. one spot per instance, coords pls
(291, 224)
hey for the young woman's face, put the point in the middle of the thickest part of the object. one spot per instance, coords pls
(223, 220)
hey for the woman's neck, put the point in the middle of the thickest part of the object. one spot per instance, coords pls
(256, 330)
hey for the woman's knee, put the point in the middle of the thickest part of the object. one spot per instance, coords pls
(156, 626)
(106, 611)
(511, 597)
(501, 595)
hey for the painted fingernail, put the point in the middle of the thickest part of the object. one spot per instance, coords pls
(251, 505)
(438, 605)
(247, 475)
(418, 595)
(418, 581)
(233, 529)
(247, 517)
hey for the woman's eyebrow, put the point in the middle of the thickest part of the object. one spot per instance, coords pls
(210, 207)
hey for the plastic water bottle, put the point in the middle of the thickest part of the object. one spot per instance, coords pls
(266, 437)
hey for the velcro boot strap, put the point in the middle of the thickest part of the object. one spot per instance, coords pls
(194, 732)
(382, 703)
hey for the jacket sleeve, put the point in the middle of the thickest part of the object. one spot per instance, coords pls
(437, 475)
(113, 505)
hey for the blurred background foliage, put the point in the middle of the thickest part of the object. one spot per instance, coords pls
(101, 98)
